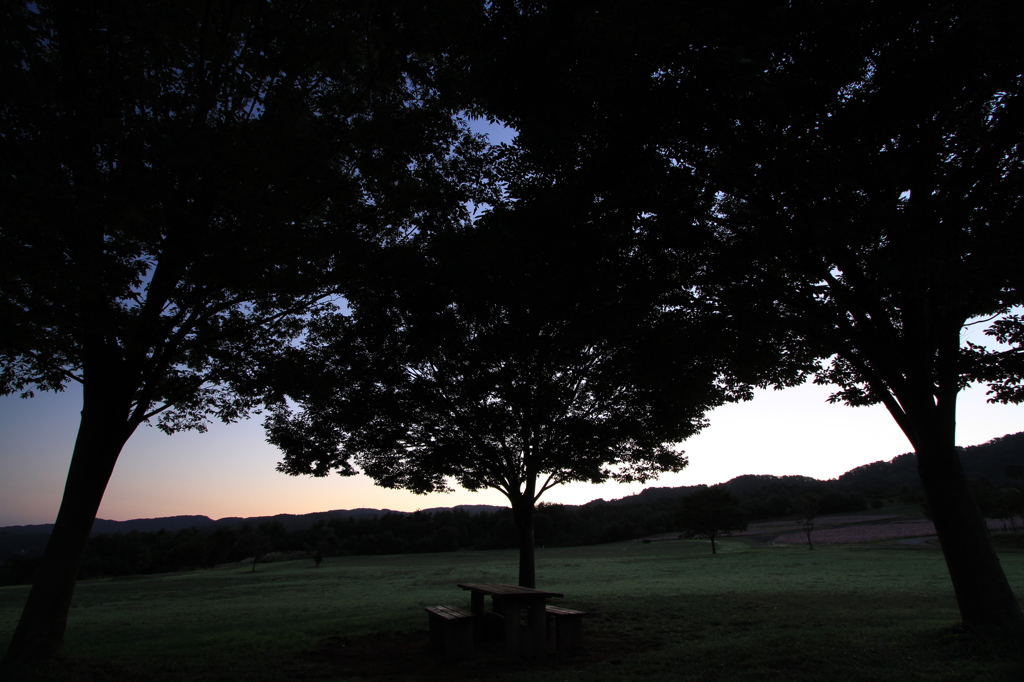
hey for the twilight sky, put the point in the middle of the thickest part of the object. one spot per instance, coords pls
(229, 471)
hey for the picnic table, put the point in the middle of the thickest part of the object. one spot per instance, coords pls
(509, 601)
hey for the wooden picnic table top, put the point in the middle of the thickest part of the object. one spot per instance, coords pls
(497, 589)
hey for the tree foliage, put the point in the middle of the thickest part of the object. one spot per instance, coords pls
(171, 194)
(866, 164)
(182, 182)
(577, 342)
(711, 513)
(900, 181)
(893, 178)
(516, 354)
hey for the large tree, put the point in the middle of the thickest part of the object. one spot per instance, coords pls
(868, 161)
(181, 183)
(517, 354)
(882, 204)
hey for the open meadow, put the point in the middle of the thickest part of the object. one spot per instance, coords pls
(659, 610)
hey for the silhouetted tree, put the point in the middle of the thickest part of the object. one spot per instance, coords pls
(253, 544)
(597, 151)
(511, 356)
(806, 508)
(868, 163)
(181, 182)
(880, 149)
(710, 513)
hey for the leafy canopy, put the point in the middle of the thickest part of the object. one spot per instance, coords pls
(509, 350)
(183, 180)
(710, 513)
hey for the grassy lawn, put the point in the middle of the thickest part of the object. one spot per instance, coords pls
(660, 610)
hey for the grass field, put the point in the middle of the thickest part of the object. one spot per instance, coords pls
(661, 610)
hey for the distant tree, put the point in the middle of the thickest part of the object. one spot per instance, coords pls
(1013, 500)
(989, 498)
(326, 540)
(806, 508)
(444, 539)
(182, 181)
(254, 544)
(776, 505)
(710, 513)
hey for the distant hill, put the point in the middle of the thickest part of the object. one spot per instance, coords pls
(300, 521)
(878, 480)
(31, 539)
(987, 461)
(289, 521)
(747, 485)
(168, 523)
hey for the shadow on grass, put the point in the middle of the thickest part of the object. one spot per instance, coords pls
(724, 638)
(408, 656)
(848, 637)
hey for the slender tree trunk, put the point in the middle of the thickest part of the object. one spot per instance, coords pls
(808, 526)
(522, 510)
(102, 434)
(983, 594)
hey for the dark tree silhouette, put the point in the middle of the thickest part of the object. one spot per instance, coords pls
(868, 162)
(710, 513)
(470, 380)
(806, 508)
(254, 544)
(517, 354)
(181, 182)
(892, 181)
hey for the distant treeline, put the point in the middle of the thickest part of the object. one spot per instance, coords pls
(997, 469)
(147, 552)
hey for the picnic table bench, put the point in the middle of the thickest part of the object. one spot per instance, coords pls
(451, 630)
(568, 627)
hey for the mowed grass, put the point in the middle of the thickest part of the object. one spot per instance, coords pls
(667, 610)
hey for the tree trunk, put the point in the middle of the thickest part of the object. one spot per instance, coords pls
(808, 529)
(522, 510)
(923, 403)
(983, 594)
(102, 434)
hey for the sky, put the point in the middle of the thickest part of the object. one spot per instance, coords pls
(230, 470)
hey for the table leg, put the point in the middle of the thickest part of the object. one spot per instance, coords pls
(536, 618)
(476, 602)
(510, 610)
